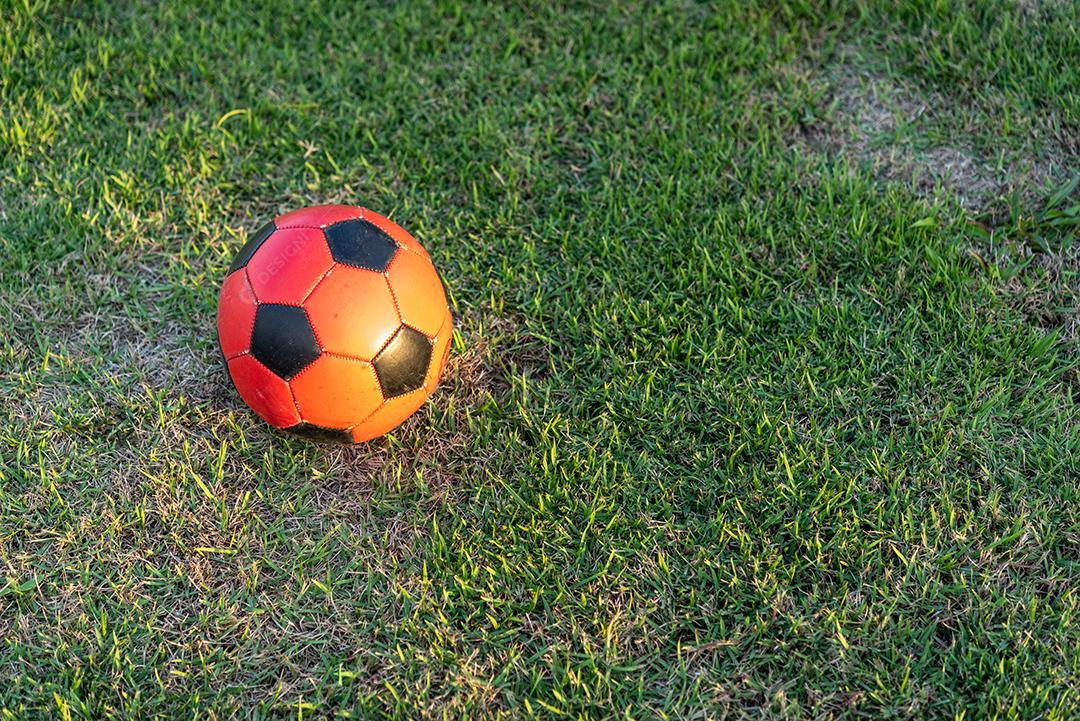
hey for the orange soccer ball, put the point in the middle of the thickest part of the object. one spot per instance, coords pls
(334, 323)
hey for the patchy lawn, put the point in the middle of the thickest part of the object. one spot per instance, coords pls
(763, 393)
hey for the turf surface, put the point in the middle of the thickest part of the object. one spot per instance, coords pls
(763, 397)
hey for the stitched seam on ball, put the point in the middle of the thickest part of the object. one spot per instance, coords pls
(318, 282)
(388, 220)
(346, 356)
(389, 266)
(401, 395)
(435, 342)
(314, 227)
(360, 216)
(251, 333)
(388, 233)
(363, 267)
(383, 346)
(369, 415)
(314, 330)
(296, 403)
(446, 320)
(412, 251)
(303, 370)
(393, 296)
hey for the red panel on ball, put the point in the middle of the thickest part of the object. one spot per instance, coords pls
(353, 312)
(289, 265)
(236, 314)
(337, 392)
(318, 216)
(267, 394)
(395, 231)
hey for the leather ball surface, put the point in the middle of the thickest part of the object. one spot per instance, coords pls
(334, 323)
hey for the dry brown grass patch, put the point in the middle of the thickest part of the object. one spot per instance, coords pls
(904, 134)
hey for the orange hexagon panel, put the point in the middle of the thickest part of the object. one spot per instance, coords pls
(337, 392)
(353, 312)
(418, 292)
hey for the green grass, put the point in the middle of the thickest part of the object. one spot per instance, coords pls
(763, 398)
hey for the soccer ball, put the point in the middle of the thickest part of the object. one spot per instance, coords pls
(334, 323)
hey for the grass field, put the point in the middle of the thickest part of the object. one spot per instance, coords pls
(763, 399)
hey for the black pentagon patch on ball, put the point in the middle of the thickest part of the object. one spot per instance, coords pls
(282, 339)
(360, 244)
(313, 432)
(255, 241)
(402, 364)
